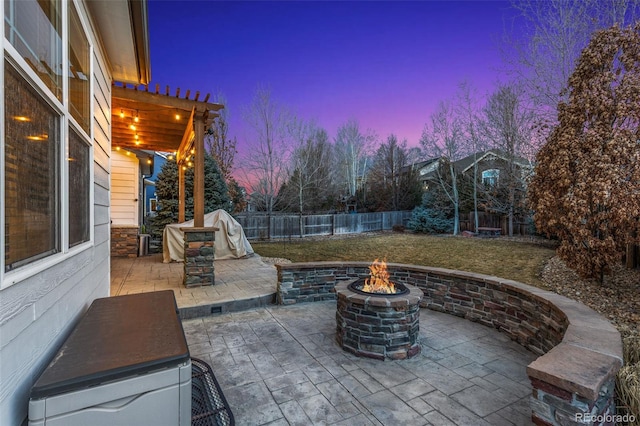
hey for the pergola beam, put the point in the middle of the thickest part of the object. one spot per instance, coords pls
(163, 100)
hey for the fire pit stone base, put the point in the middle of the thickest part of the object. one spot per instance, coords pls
(376, 325)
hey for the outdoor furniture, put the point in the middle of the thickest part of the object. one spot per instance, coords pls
(489, 232)
(125, 362)
(209, 407)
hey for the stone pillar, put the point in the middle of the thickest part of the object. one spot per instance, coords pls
(198, 256)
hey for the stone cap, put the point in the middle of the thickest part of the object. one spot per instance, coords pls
(413, 297)
(590, 352)
(199, 229)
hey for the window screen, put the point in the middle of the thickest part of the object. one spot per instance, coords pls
(32, 173)
(79, 181)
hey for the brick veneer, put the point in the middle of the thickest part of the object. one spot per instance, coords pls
(581, 352)
(124, 241)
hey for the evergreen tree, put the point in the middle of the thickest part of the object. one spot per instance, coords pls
(167, 196)
(216, 194)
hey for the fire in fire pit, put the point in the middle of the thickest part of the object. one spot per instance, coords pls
(379, 281)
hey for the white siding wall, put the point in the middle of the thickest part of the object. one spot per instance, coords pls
(124, 189)
(37, 313)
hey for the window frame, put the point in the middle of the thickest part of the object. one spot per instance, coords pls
(493, 176)
(12, 57)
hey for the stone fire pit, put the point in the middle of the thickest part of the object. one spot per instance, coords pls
(379, 326)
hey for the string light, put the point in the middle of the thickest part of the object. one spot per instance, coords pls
(121, 113)
(132, 127)
(136, 118)
(117, 148)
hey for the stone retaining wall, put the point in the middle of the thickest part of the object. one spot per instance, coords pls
(581, 352)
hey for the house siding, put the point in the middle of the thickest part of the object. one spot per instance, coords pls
(124, 189)
(38, 312)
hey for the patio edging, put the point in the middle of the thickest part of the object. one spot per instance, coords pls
(580, 351)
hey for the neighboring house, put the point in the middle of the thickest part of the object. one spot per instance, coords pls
(491, 165)
(427, 171)
(149, 190)
(55, 172)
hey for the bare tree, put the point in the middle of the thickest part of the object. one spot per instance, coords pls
(468, 109)
(543, 45)
(508, 127)
(224, 151)
(394, 182)
(267, 154)
(218, 144)
(443, 138)
(310, 177)
(351, 150)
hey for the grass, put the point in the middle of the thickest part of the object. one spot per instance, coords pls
(520, 261)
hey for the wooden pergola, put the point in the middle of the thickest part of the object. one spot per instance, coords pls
(151, 120)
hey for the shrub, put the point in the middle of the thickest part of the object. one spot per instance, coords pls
(628, 391)
(398, 228)
(628, 379)
(429, 221)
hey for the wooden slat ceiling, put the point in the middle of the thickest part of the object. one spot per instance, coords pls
(158, 128)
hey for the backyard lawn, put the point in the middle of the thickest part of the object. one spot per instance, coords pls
(516, 260)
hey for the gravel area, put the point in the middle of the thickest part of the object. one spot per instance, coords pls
(274, 260)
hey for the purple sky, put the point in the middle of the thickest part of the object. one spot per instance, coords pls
(385, 64)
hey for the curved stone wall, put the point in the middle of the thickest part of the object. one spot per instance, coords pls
(580, 351)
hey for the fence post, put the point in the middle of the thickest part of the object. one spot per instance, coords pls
(333, 224)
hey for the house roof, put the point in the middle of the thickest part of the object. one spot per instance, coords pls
(124, 33)
(467, 162)
(419, 165)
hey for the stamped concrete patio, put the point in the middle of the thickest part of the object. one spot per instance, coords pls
(280, 365)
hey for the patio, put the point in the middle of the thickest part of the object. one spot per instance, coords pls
(281, 364)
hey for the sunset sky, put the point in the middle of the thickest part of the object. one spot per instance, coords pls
(385, 64)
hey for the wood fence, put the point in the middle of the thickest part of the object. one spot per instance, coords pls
(264, 227)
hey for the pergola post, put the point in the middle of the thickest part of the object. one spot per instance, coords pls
(181, 193)
(198, 178)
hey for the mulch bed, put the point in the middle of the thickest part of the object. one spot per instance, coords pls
(617, 299)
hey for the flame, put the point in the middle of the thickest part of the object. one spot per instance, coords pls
(379, 280)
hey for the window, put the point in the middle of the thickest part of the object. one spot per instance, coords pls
(78, 71)
(490, 177)
(46, 186)
(79, 181)
(33, 28)
(31, 190)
